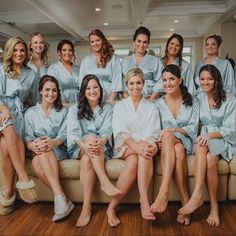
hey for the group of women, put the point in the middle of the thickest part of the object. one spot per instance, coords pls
(63, 111)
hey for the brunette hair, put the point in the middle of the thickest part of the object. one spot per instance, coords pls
(84, 108)
(179, 55)
(107, 50)
(49, 78)
(217, 38)
(175, 70)
(142, 30)
(219, 94)
(62, 43)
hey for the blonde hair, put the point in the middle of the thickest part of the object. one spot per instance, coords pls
(134, 72)
(8, 53)
(44, 56)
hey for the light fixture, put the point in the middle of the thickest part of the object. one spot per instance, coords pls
(176, 21)
(97, 9)
(171, 29)
(105, 23)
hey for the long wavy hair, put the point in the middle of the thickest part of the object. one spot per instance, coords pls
(107, 49)
(8, 53)
(62, 43)
(219, 94)
(175, 70)
(84, 108)
(49, 78)
(44, 55)
(179, 55)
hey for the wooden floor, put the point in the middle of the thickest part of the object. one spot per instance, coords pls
(36, 220)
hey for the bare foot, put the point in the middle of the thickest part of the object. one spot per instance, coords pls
(112, 220)
(192, 205)
(146, 212)
(160, 203)
(213, 218)
(109, 188)
(84, 218)
(183, 219)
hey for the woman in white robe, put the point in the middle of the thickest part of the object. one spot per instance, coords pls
(89, 133)
(212, 44)
(45, 136)
(217, 138)
(103, 63)
(149, 64)
(66, 72)
(179, 113)
(17, 83)
(136, 128)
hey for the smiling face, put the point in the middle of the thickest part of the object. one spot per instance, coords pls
(92, 92)
(135, 85)
(173, 47)
(19, 54)
(95, 43)
(171, 83)
(37, 44)
(211, 47)
(207, 82)
(49, 92)
(141, 44)
(66, 53)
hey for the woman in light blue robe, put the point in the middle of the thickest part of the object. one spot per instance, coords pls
(45, 136)
(66, 72)
(173, 55)
(17, 83)
(212, 44)
(149, 64)
(179, 113)
(217, 138)
(103, 63)
(89, 132)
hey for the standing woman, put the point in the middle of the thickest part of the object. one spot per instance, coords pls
(89, 136)
(136, 128)
(66, 72)
(212, 44)
(45, 136)
(217, 138)
(17, 83)
(103, 63)
(149, 64)
(173, 55)
(179, 113)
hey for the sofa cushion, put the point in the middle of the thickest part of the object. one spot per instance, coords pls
(232, 165)
(223, 167)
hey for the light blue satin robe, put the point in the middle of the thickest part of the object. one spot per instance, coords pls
(53, 126)
(77, 129)
(226, 70)
(221, 120)
(40, 72)
(151, 67)
(187, 119)
(13, 94)
(109, 77)
(69, 83)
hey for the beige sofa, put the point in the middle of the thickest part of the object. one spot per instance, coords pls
(70, 169)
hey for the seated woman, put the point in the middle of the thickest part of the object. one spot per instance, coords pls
(89, 136)
(136, 128)
(179, 114)
(217, 139)
(45, 135)
(17, 83)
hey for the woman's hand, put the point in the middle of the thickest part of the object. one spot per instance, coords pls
(202, 140)
(5, 115)
(164, 131)
(146, 149)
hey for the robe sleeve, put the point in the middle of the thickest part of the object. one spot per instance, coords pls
(106, 129)
(62, 133)
(116, 77)
(29, 127)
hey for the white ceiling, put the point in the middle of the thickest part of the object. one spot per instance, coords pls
(74, 19)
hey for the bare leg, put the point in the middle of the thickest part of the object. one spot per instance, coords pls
(196, 199)
(181, 180)
(145, 173)
(87, 179)
(168, 157)
(212, 183)
(7, 169)
(16, 152)
(124, 183)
